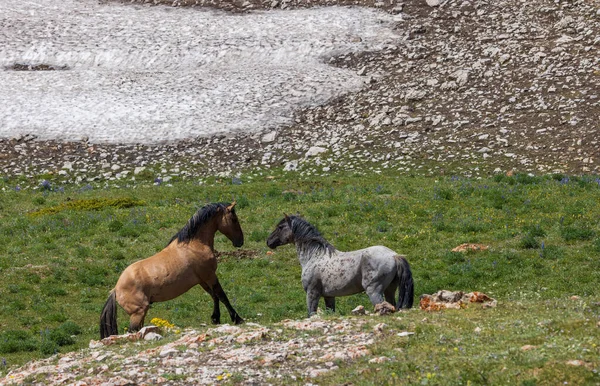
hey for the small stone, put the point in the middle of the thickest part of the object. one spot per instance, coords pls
(504, 58)
(379, 360)
(359, 310)
(169, 351)
(95, 344)
(291, 166)
(379, 327)
(384, 308)
(147, 329)
(415, 95)
(269, 137)
(433, 3)
(138, 170)
(461, 76)
(396, 10)
(315, 150)
(316, 372)
(527, 347)
(152, 336)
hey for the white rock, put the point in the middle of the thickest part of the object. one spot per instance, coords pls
(169, 351)
(564, 39)
(315, 150)
(152, 336)
(269, 137)
(291, 166)
(95, 344)
(138, 170)
(461, 76)
(504, 58)
(415, 95)
(433, 3)
(359, 310)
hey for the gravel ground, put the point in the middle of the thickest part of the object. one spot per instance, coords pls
(467, 87)
(286, 353)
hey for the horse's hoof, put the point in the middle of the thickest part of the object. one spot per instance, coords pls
(239, 320)
(216, 321)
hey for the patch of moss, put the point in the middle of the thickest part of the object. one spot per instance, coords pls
(90, 204)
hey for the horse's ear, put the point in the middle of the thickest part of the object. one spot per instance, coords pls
(287, 219)
(231, 206)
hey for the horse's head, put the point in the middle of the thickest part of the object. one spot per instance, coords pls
(230, 226)
(282, 234)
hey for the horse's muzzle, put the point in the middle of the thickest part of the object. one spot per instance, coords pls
(273, 244)
(238, 243)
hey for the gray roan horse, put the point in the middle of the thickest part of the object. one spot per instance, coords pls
(188, 259)
(327, 272)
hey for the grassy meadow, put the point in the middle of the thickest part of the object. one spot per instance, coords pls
(62, 249)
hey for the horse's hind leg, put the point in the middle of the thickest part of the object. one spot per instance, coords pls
(136, 305)
(136, 320)
(390, 293)
(330, 303)
(375, 293)
(218, 291)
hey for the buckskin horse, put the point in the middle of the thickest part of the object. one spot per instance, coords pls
(188, 259)
(327, 272)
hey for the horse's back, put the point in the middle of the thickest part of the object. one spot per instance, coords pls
(380, 251)
(161, 277)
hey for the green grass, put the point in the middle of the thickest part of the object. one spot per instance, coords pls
(58, 266)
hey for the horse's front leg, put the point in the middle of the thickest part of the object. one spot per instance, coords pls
(330, 303)
(216, 315)
(220, 293)
(312, 301)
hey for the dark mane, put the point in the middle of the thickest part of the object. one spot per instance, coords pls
(189, 231)
(306, 233)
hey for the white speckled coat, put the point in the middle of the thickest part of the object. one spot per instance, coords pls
(328, 273)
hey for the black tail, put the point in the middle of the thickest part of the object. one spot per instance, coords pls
(406, 288)
(108, 318)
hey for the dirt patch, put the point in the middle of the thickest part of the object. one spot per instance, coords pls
(238, 254)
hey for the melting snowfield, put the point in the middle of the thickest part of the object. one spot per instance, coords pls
(135, 74)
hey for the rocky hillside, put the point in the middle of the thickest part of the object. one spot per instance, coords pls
(251, 354)
(470, 88)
